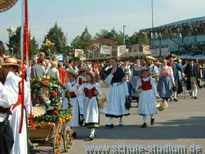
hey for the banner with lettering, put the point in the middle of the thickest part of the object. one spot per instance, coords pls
(104, 49)
(154, 52)
(165, 51)
(121, 50)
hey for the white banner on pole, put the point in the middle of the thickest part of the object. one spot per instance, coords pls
(104, 49)
(121, 50)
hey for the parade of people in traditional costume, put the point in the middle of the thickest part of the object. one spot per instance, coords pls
(117, 95)
(146, 86)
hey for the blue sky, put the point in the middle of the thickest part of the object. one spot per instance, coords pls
(74, 15)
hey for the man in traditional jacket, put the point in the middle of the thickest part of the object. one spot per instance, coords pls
(193, 75)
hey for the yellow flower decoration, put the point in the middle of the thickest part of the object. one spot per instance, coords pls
(48, 43)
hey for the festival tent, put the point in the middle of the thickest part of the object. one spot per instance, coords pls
(185, 56)
(199, 57)
(189, 56)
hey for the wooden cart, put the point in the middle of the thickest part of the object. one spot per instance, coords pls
(59, 136)
(51, 124)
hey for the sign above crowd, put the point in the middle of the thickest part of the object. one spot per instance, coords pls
(121, 50)
(61, 57)
(160, 52)
(104, 49)
(6, 4)
(80, 54)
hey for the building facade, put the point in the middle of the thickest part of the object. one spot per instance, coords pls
(182, 37)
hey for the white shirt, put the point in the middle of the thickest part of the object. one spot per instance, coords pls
(9, 93)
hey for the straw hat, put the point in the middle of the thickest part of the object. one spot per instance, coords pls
(179, 60)
(91, 74)
(144, 70)
(158, 63)
(173, 56)
(150, 57)
(37, 111)
(84, 69)
(10, 61)
(72, 73)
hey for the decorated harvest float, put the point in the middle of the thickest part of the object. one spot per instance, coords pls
(49, 127)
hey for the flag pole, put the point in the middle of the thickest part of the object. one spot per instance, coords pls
(24, 54)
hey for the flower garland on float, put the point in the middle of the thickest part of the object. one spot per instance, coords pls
(56, 114)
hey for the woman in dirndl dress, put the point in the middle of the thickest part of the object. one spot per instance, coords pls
(91, 90)
(146, 86)
(166, 81)
(71, 85)
(117, 95)
(135, 75)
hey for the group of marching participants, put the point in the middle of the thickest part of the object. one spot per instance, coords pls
(146, 82)
(84, 89)
(119, 93)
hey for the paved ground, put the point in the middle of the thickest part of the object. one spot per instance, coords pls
(182, 124)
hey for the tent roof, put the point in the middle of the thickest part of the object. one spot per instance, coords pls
(176, 24)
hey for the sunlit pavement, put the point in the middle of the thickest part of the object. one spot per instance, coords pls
(182, 124)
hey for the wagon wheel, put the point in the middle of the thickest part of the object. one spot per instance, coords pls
(68, 139)
(58, 143)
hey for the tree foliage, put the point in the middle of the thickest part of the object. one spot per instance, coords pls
(14, 44)
(33, 47)
(137, 38)
(56, 35)
(111, 35)
(82, 41)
